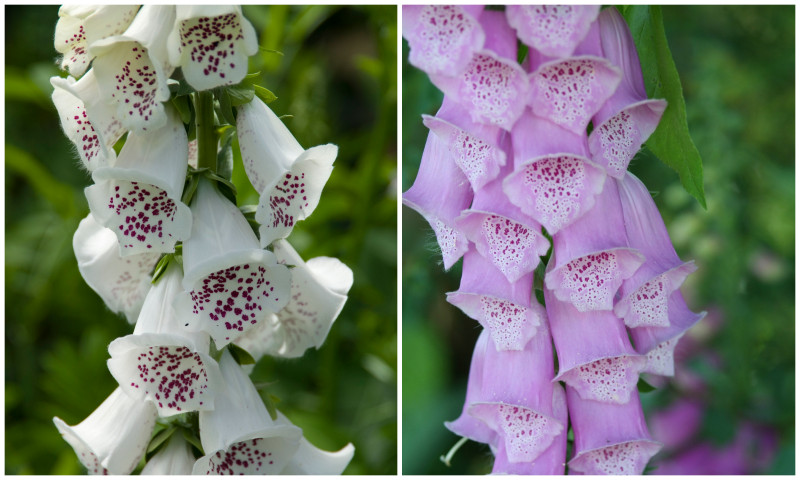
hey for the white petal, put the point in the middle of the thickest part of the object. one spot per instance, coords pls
(212, 45)
(294, 195)
(89, 124)
(310, 460)
(139, 198)
(331, 273)
(268, 148)
(114, 437)
(122, 283)
(175, 458)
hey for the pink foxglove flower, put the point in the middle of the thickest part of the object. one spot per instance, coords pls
(442, 38)
(89, 123)
(133, 68)
(610, 439)
(288, 178)
(553, 30)
(114, 437)
(139, 198)
(211, 44)
(122, 282)
(81, 25)
(161, 363)
(175, 458)
(230, 283)
(318, 294)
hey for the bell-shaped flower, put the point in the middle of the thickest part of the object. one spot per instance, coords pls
(553, 181)
(161, 362)
(175, 458)
(211, 44)
(442, 38)
(492, 84)
(441, 190)
(113, 438)
(133, 69)
(552, 460)
(89, 123)
(517, 395)
(239, 436)
(502, 308)
(591, 258)
(122, 282)
(595, 356)
(139, 198)
(230, 283)
(610, 439)
(553, 30)
(288, 178)
(318, 293)
(79, 26)
(628, 118)
(310, 460)
(509, 239)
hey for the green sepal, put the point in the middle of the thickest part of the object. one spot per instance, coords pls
(190, 187)
(160, 439)
(270, 401)
(225, 106)
(225, 153)
(190, 437)
(181, 104)
(265, 95)
(225, 186)
(179, 88)
(241, 355)
(241, 93)
(644, 387)
(161, 267)
(270, 50)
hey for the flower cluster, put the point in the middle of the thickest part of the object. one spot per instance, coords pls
(165, 246)
(508, 157)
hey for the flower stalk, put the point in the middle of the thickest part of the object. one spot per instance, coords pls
(206, 131)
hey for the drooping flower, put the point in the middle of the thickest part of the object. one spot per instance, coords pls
(122, 282)
(89, 123)
(553, 30)
(288, 178)
(79, 26)
(610, 438)
(211, 44)
(139, 198)
(230, 283)
(133, 68)
(114, 437)
(318, 293)
(175, 458)
(161, 362)
(310, 460)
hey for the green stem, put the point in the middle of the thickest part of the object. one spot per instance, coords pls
(206, 132)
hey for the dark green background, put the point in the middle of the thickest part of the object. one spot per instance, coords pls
(338, 79)
(737, 66)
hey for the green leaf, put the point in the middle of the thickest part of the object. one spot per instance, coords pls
(160, 438)
(181, 104)
(161, 267)
(225, 106)
(671, 142)
(241, 355)
(265, 95)
(644, 387)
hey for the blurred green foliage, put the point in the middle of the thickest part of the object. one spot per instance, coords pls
(336, 75)
(737, 66)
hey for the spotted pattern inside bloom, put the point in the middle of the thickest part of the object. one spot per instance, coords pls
(649, 304)
(443, 37)
(91, 462)
(494, 88)
(661, 360)
(143, 216)
(627, 458)
(76, 58)
(524, 432)
(234, 299)
(568, 93)
(173, 377)
(556, 185)
(554, 30)
(476, 158)
(619, 142)
(251, 457)
(132, 281)
(608, 380)
(506, 322)
(452, 242)
(287, 200)
(214, 47)
(592, 281)
(512, 246)
(136, 86)
(89, 142)
(74, 47)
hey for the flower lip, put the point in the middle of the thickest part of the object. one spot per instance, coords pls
(583, 461)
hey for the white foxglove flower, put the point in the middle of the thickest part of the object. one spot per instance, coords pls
(310, 460)
(288, 178)
(239, 436)
(114, 437)
(211, 44)
(122, 282)
(133, 69)
(160, 362)
(231, 283)
(89, 123)
(80, 25)
(175, 458)
(319, 291)
(139, 198)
